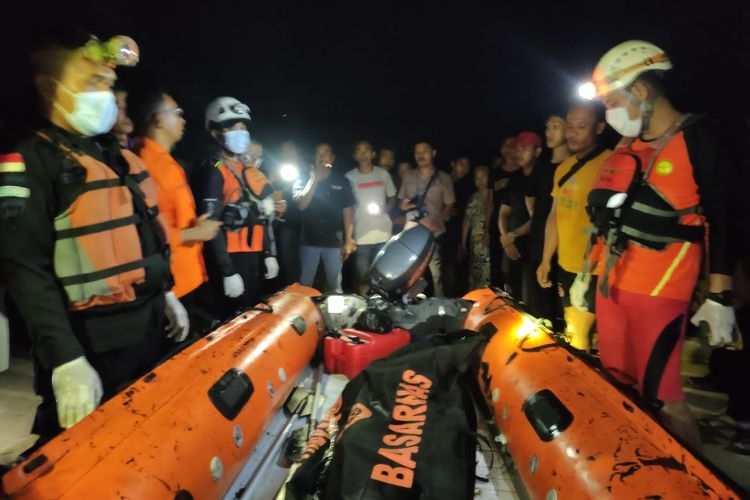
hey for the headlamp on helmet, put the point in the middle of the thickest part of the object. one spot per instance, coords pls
(117, 51)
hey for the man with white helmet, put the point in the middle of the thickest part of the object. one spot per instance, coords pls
(231, 187)
(651, 207)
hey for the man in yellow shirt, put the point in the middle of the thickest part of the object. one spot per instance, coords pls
(567, 229)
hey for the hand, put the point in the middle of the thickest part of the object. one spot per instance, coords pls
(506, 239)
(578, 291)
(720, 320)
(272, 267)
(542, 275)
(512, 251)
(204, 229)
(407, 205)
(78, 391)
(233, 286)
(348, 249)
(178, 322)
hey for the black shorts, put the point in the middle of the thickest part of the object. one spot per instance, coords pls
(565, 281)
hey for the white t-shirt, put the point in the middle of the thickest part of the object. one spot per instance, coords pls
(371, 191)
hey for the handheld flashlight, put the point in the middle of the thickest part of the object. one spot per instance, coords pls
(289, 172)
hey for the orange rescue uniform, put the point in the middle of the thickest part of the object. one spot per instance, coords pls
(177, 207)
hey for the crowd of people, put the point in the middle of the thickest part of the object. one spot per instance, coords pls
(108, 240)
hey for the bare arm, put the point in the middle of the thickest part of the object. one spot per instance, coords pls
(348, 225)
(465, 230)
(503, 221)
(447, 212)
(550, 234)
(530, 204)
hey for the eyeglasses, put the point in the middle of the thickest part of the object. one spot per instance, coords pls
(178, 111)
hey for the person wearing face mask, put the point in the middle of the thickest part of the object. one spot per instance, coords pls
(651, 205)
(83, 248)
(230, 187)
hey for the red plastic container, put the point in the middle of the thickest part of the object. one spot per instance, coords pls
(341, 355)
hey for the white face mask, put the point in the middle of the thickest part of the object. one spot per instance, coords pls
(93, 113)
(619, 119)
(237, 141)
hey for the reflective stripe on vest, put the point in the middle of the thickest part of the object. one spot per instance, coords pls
(648, 217)
(98, 257)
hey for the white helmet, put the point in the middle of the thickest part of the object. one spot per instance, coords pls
(620, 66)
(224, 109)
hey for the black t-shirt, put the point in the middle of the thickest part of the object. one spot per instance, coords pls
(515, 196)
(539, 187)
(323, 220)
(499, 180)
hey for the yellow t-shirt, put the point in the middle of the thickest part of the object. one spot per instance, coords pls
(573, 225)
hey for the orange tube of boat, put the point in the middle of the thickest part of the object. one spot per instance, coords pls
(570, 432)
(185, 430)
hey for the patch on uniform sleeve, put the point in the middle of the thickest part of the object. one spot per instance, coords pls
(14, 190)
(12, 163)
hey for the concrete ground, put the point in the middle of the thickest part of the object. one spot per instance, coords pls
(709, 407)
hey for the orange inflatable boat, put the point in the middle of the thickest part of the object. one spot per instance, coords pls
(185, 430)
(570, 432)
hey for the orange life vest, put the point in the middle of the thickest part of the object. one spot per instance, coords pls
(653, 241)
(259, 187)
(97, 256)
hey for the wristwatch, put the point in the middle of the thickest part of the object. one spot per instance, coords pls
(724, 298)
(513, 234)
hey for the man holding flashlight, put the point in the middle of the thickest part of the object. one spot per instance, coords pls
(325, 201)
(375, 194)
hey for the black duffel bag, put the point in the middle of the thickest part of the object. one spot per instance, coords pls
(404, 428)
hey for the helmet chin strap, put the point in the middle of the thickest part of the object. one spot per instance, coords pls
(646, 111)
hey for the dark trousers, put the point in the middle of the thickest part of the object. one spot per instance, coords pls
(287, 244)
(543, 302)
(732, 368)
(363, 258)
(199, 312)
(248, 266)
(116, 368)
(517, 276)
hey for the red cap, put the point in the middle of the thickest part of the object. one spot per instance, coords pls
(528, 139)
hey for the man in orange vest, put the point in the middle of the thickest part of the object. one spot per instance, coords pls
(651, 206)
(231, 187)
(82, 245)
(159, 125)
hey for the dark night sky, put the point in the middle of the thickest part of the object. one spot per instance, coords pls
(465, 75)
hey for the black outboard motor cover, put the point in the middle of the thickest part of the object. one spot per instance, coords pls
(402, 261)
